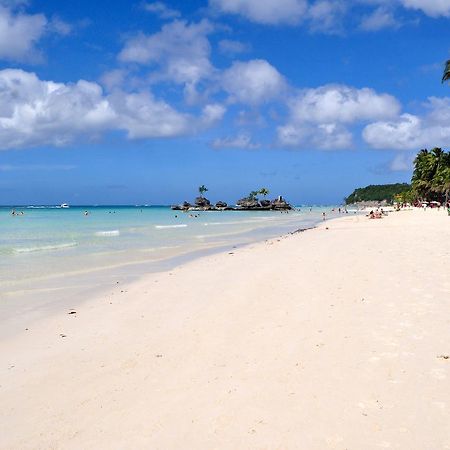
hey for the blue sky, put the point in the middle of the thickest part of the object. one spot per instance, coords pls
(140, 102)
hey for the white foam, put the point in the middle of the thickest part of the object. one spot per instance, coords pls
(162, 227)
(44, 247)
(108, 233)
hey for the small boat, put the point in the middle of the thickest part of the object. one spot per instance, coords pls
(64, 205)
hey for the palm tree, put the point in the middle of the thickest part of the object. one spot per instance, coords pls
(253, 195)
(446, 75)
(202, 189)
(441, 179)
(264, 192)
(431, 176)
(424, 170)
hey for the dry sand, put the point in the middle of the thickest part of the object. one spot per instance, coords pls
(328, 339)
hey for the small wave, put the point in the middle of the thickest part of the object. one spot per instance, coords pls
(44, 248)
(108, 233)
(162, 227)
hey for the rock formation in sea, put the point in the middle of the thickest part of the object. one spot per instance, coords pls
(250, 203)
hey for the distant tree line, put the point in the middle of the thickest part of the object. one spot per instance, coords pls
(377, 193)
(430, 182)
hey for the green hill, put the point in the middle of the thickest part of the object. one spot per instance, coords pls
(377, 192)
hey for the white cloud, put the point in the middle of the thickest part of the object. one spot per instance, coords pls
(326, 136)
(403, 162)
(380, 18)
(142, 116)
(253, 82)
(433, 8)
(242, 141)
(113, 79)
(162, 10)
(180, 50)
(212, 113)
(326, 16)
(35, 112)
(409, 131)
(59, 26)
(342, 104)
(231, 47)
(19, 33)
(264, 11)
(320, 117)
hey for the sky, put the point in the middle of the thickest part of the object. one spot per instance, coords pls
(140, 102)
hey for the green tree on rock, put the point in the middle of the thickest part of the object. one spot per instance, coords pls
(202, 189)
(264, 192)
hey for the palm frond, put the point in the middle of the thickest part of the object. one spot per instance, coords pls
(446, 75)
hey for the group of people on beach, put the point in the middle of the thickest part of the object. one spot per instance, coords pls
(377, 214)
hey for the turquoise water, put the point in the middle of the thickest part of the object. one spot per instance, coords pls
(48, 243)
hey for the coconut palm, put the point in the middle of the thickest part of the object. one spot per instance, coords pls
(202, 189)
(441, 179)
(264, 192)
(446, 75)
(253, 195)
(431, 176)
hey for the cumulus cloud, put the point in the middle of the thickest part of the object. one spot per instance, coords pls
(321, 116)
(342, 104)
(34, 112)
(161, 10)
(325, 136)
(241, 141)
(180, 50)
(253, 82)
(263, 11)
(212, 113)
(409, 131)
(19, 33)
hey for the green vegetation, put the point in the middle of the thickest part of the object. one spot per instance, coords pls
(202, 189)
(430, 182)
(446, 75)
(264, 192)
(377, 193)
(431, 176)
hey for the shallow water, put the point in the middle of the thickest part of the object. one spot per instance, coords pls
(48, 243)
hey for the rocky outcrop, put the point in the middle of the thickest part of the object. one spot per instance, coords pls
(281, 204)
(183, 207)
(248, 203)
(202, 202)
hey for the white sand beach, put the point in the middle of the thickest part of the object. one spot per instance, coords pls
(334, 338)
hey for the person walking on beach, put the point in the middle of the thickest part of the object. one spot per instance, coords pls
(323, 215)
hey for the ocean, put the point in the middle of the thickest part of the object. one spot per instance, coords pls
(51, 248)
